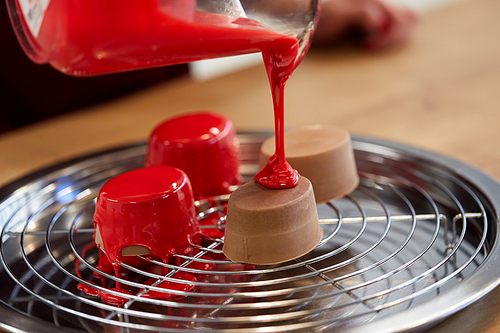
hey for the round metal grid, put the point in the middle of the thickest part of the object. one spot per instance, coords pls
(413, 244)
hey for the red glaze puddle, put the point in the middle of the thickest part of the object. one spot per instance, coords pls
(168, 285)
(202, 266)
(104, 295)
(105, 266)
(212, 221)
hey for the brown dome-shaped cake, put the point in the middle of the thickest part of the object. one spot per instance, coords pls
(324, 155)
(267, 226)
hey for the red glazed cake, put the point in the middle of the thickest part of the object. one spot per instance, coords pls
(204, 146)
(148, 211)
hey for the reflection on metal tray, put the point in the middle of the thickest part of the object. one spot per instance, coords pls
(416, 242)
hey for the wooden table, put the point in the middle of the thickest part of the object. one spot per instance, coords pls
(440, 92)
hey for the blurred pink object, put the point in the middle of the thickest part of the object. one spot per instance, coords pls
(383, 25)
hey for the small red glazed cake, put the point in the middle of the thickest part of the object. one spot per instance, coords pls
(204, 146)
(147, 211)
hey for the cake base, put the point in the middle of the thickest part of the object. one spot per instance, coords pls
(269, 226)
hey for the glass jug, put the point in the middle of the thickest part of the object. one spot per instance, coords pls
(93, 37)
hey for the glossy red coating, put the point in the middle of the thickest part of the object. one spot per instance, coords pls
(150, 207)
(202, 144)
(167, 285)
(279, 66)
(104, 295)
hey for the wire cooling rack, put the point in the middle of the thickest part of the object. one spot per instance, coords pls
(416, 242)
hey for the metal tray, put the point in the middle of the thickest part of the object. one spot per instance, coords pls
(416, 242)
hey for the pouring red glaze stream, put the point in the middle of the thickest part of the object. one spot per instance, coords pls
(280, 64)
(131, 34)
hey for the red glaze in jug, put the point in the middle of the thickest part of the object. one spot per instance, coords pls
(92, 37)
